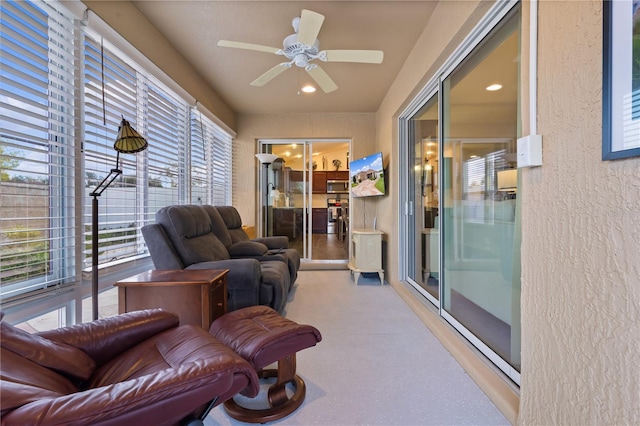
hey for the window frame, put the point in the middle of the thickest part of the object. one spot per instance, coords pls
(614, 79)
(49, 147)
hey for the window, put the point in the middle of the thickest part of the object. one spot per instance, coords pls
(479, 253)
(63, 93)
(210, 162)
(37, 150)
(110, 89)
(167, 134)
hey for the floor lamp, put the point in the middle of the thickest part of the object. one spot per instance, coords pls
(266, 159)
(128, 142)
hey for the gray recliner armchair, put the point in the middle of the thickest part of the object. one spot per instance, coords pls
(233, 234)
(183, 237)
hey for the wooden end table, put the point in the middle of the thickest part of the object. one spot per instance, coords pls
(197, 296)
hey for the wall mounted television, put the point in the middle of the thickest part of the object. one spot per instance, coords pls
(366, 176)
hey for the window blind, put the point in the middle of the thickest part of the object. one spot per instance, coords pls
(110, 94)
(37, 75)
(211, 161)
(222, 166)
(63, 92)
(200, 160)
(167, 134)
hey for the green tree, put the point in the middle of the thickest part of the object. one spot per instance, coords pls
(155, 183)
(8, 161)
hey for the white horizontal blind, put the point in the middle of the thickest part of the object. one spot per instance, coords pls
(222, 166)
(211, 162)
(152, 179)
(167, 134)
(200, 160)
(38, 69)
(110, 94)
(474, 181)
(62, 86)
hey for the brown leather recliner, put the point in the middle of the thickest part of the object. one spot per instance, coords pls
(134, 368)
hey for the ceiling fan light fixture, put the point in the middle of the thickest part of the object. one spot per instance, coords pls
(308, 89)
(301, 60)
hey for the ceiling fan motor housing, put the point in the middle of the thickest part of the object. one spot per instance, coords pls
(299, 53)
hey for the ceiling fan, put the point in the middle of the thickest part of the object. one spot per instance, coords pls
(303, 47)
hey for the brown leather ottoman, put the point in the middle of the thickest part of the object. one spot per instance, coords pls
(262, 336)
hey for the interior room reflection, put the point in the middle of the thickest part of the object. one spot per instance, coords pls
(309, 201)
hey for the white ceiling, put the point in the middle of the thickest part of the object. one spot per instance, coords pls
(194, 28)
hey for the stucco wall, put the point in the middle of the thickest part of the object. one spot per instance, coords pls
(359, 127)
(580, 241)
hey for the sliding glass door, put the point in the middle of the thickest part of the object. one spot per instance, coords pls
(305, 196)
(463, 245)
(423, 183)
(480, 129)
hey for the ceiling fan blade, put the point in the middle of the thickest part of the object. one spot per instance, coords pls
(248, 46)
(322, 78)
(309, 27)
(270, 75)
(366, 56)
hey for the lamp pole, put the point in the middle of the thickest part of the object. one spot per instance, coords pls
(94, 256)
(266, 159)
(113, 174)
(128, 141)
(266, 199)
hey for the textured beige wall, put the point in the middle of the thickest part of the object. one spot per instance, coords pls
(580, 241)
(358, 127)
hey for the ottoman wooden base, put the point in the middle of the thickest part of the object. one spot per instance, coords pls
(262, 336)
(281, 405)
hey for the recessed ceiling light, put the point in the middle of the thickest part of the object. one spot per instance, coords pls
(308, 89)
(494, 87)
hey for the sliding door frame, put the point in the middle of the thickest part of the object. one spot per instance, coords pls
(307, 254)
(407, 205)
(434, 87)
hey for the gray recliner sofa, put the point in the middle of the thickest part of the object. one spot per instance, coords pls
(183, 237)
(278, 244)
